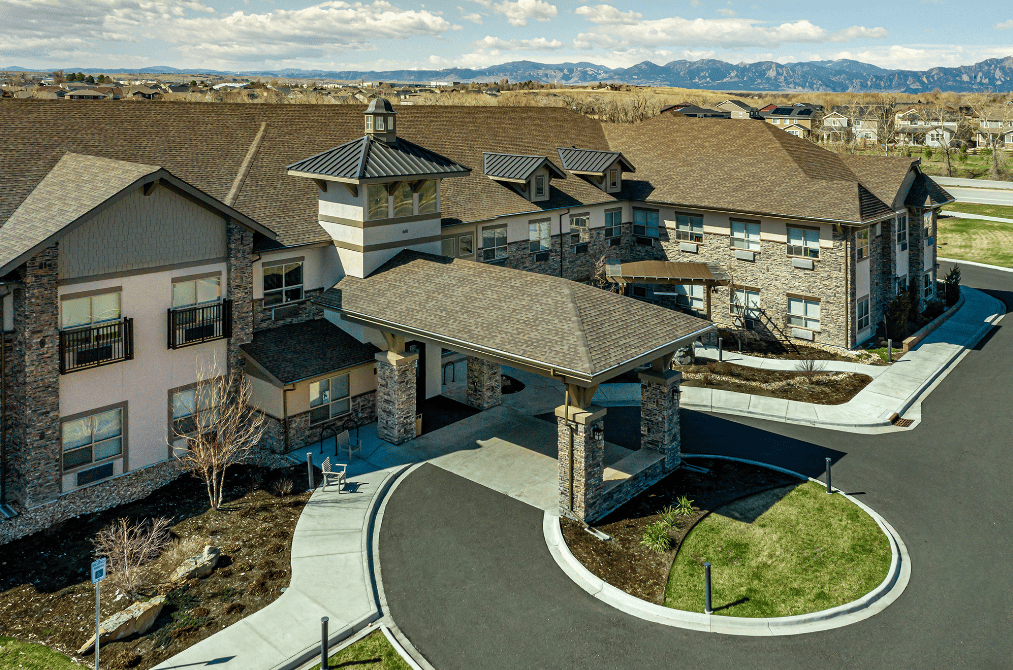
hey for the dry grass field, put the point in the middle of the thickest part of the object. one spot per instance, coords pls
(976, 240)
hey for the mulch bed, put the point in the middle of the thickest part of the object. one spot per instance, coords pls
(731, 377)
(624, 562)
(46, 594)
(766, 348)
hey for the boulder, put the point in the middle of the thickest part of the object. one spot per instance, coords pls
(134, 620)
(684, 356)
(197, 566)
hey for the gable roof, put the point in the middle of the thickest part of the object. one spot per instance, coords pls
(925, 192)
(744, 167)
(736, 103)
(76, 189)
(298, 351)
(367, 158)
(591, 161)
(538, 321)
(882, 175)
(516, 168)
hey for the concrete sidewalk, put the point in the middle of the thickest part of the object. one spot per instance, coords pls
(788, 365)
(331, 576)
(892, 391)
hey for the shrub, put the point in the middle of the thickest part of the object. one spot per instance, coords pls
(685, 506)
(811, 368)
(668, 516)
(721, 368)
(897, 316)
(927, 152)
(128, 547)
(655, 537)
(952, 283)
(984, 152)
(708, 379)
(282, 487)
(962, 154)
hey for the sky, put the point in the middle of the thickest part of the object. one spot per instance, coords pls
(407, 34)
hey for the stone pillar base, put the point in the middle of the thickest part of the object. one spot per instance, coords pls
(581, 489)
(395, 396)
(485, 383)
(659, 415)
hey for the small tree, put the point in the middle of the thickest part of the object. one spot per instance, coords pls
(897, 313)
(128, 547)
(600, 277)
(952, 283)
(221, 430)
(811, 368)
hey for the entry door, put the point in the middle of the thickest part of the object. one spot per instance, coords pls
(420, 373)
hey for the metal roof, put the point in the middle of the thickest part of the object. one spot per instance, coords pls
(591, 160)
(380, 106)
(664, 272)
(368, 158)
(516, 167)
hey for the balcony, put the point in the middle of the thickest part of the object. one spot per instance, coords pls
(93, 346)
(200, 323)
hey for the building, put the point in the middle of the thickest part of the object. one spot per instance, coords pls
(796, 119)
(697, 112)
(334, 253)
(737, 109)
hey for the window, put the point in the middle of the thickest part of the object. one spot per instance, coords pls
(862, 243)
(746, 235)
(93, 438)
(613, 223)
(744, 303)
(690, 296)
(803, 313)
(927, 227)
(403, 199)
(282, 283)
(427, 197)
(390, 123)
(329, 399)
(539, 186)
(89, 310)
(645, 222)
(465, 246)
(613, 178)
(579, 231)
(196, 291)
(688, 228)
(369, 122)
(376, 202)
(494, 243)
(449, 247)
(901, 285)
(538, 236)
(186, 412)
(803, 242)
(379, 123)
(929, 288)
(902, 232)
(863, 313)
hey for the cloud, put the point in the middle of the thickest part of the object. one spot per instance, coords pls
(536, 44)
(726, 12)
(518, 12)
(474, 17)
(726, 32)
(1005, 25)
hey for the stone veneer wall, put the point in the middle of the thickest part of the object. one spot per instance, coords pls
(485, 383)
(305, 310)
(395, 396)
(622, 491)
(34, 390)
(659, 415)
(301, 433)
(239, 267)
(588, 464)
(576, 267)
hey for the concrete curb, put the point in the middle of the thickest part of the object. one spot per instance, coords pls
(891, 588)
(977, 265)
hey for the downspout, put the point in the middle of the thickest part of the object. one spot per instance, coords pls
(284, 413)
(561, 246)
(847, 288)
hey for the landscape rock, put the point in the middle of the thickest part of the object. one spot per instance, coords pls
(684, 356)
(134, 620)
(197, 566)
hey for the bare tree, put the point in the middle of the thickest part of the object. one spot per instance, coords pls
(600, 277)
(128, 547)
(811, 368)
(222, 429)
(995, 119)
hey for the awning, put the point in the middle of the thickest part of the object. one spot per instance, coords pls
(665, 272)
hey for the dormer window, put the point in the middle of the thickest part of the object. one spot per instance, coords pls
(369, 122)
(390, 123)
(614, 178)
(379, 123)
(539, 186)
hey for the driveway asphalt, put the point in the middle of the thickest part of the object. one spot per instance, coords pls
(470, 582)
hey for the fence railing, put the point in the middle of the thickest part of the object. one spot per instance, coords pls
(201, 323)
(90, 347)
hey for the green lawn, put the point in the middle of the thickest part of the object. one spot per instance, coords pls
(780, 553)
(976, 240)
(372, 652)
(31, 656)
(1002, 211)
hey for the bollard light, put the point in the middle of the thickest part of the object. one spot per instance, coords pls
(309, 469)
(889, 351)
(828, 476)
(707, 609)
(323, 643)
(720, 342)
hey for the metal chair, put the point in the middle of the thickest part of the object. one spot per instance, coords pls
(341, 475)
(345, 443)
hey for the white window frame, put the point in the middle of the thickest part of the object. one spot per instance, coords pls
(689, 228)
(647, 225)
(744, 303)
(379, 123)
(498, 250)
(286, 289)
(580, 228)
(105, 318)
(810, 242)
(745, 235)
(614, 178)
(901, 232)
(539, 235)
(929, 290)
(336, 406)
(863, 320)
(539, 189)
(215, 279)
(862, 243)
(803, 318)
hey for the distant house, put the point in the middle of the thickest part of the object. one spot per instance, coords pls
(737, 109)
(866, 130)
(786, 116)
(835, 127)
(699, 112)
(85, 94)
(797, 130)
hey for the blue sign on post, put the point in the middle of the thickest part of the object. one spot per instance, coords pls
(98, 573)
(98, 570)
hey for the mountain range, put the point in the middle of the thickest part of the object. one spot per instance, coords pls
(994, 74)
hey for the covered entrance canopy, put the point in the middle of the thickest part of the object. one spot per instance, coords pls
(669, 273)
(547, 325)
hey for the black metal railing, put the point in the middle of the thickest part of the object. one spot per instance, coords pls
(201, 323)
(90, 347)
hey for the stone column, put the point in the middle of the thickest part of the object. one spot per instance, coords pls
(395, 396)
(485, 383)
(583, 498)
(659, 415)
(239, 266)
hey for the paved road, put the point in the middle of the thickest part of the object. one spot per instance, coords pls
(981, 196)
(470, 582)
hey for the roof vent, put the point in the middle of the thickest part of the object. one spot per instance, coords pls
(380, 122)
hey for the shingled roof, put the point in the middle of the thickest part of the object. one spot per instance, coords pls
(525, 318)
(745, 167)
(300, 351)
(368, 158)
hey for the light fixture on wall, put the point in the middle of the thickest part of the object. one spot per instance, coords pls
(598, 433)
